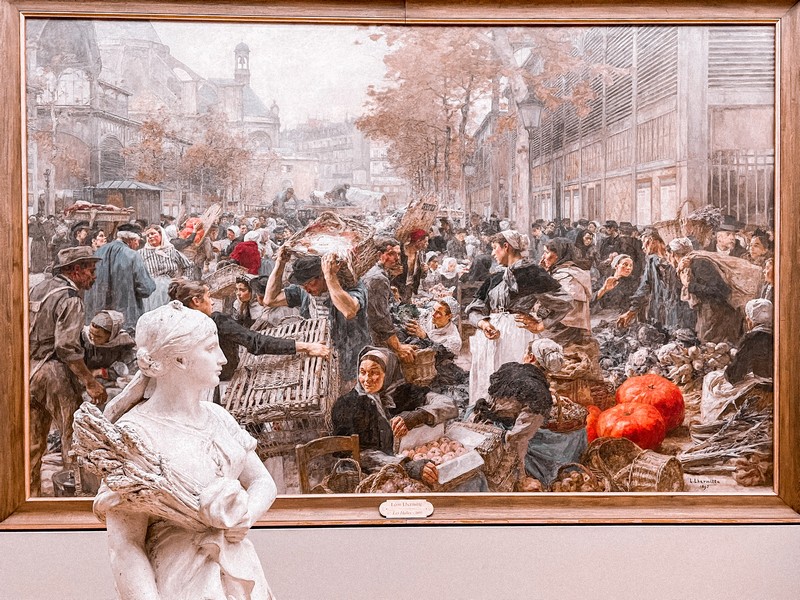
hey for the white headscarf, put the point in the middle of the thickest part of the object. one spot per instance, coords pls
(165, 243)
(618, 259)
(518, 241)
(760, 312)
(681, 246)
(549, 354)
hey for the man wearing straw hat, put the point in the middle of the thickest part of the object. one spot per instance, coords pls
(58, 373)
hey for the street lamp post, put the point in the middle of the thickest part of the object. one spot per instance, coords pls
(469, 172)
(530, 113)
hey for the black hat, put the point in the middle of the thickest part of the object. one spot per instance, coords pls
(130, 227)
(612, 224)
(729, 223)
(76, 227)
(626, 227)
(306, 268)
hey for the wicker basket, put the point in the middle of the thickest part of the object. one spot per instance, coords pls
(222, 282)
(585, 391)
(343, 478)
(419, 214)
(372, 483)
(566, 415)
(285, 400)
(628, 468)
(423, 369)
(596, 481)
(359, 258)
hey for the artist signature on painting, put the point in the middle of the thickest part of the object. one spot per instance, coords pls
(704, 482)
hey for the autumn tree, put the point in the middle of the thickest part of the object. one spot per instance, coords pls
(434, 79)
(217, 160)
(439, 82)
(155, 157)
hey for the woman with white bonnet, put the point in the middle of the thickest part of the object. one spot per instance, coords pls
(510, 306)
(449, 272)
(751, 368)
(432, 276)
(757, 346)
(154, 556)
(623, 267)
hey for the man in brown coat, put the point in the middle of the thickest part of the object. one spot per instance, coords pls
(58, 373)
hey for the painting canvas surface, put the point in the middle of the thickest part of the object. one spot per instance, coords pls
(632, 165)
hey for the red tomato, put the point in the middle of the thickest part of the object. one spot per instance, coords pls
(640, 423)
(656, 391)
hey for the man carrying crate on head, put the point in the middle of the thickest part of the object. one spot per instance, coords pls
(314, 277)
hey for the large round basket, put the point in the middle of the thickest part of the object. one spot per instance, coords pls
(222, 282)
(423, 369)
(628, 468)
(592, 479)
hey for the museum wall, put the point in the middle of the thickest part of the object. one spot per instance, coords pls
(708, 562)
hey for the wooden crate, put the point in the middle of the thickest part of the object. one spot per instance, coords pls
(285, 400)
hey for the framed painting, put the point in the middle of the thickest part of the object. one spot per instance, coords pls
(621, 151)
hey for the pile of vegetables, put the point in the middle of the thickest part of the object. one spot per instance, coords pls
(402, 485)
(576, 480)
(740, 444)
(685, 365)
(628, 352)
(438, 451)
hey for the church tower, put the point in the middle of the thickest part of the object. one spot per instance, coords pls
(241, 72)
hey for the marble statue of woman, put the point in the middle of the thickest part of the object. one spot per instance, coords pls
(191, 484)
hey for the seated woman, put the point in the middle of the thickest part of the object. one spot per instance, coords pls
(382, 407)
(162, 547)
(751, 368)
(549, 450)
(519, 403)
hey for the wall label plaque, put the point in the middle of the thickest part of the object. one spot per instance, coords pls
(406, 509)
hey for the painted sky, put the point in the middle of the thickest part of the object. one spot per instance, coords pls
(311, 71)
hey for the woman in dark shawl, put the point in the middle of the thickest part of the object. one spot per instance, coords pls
(383, 406)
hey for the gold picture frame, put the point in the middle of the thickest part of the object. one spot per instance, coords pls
(18, 511)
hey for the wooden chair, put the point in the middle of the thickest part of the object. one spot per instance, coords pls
(305, 453)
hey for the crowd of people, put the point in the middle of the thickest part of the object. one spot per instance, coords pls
(528, 303)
